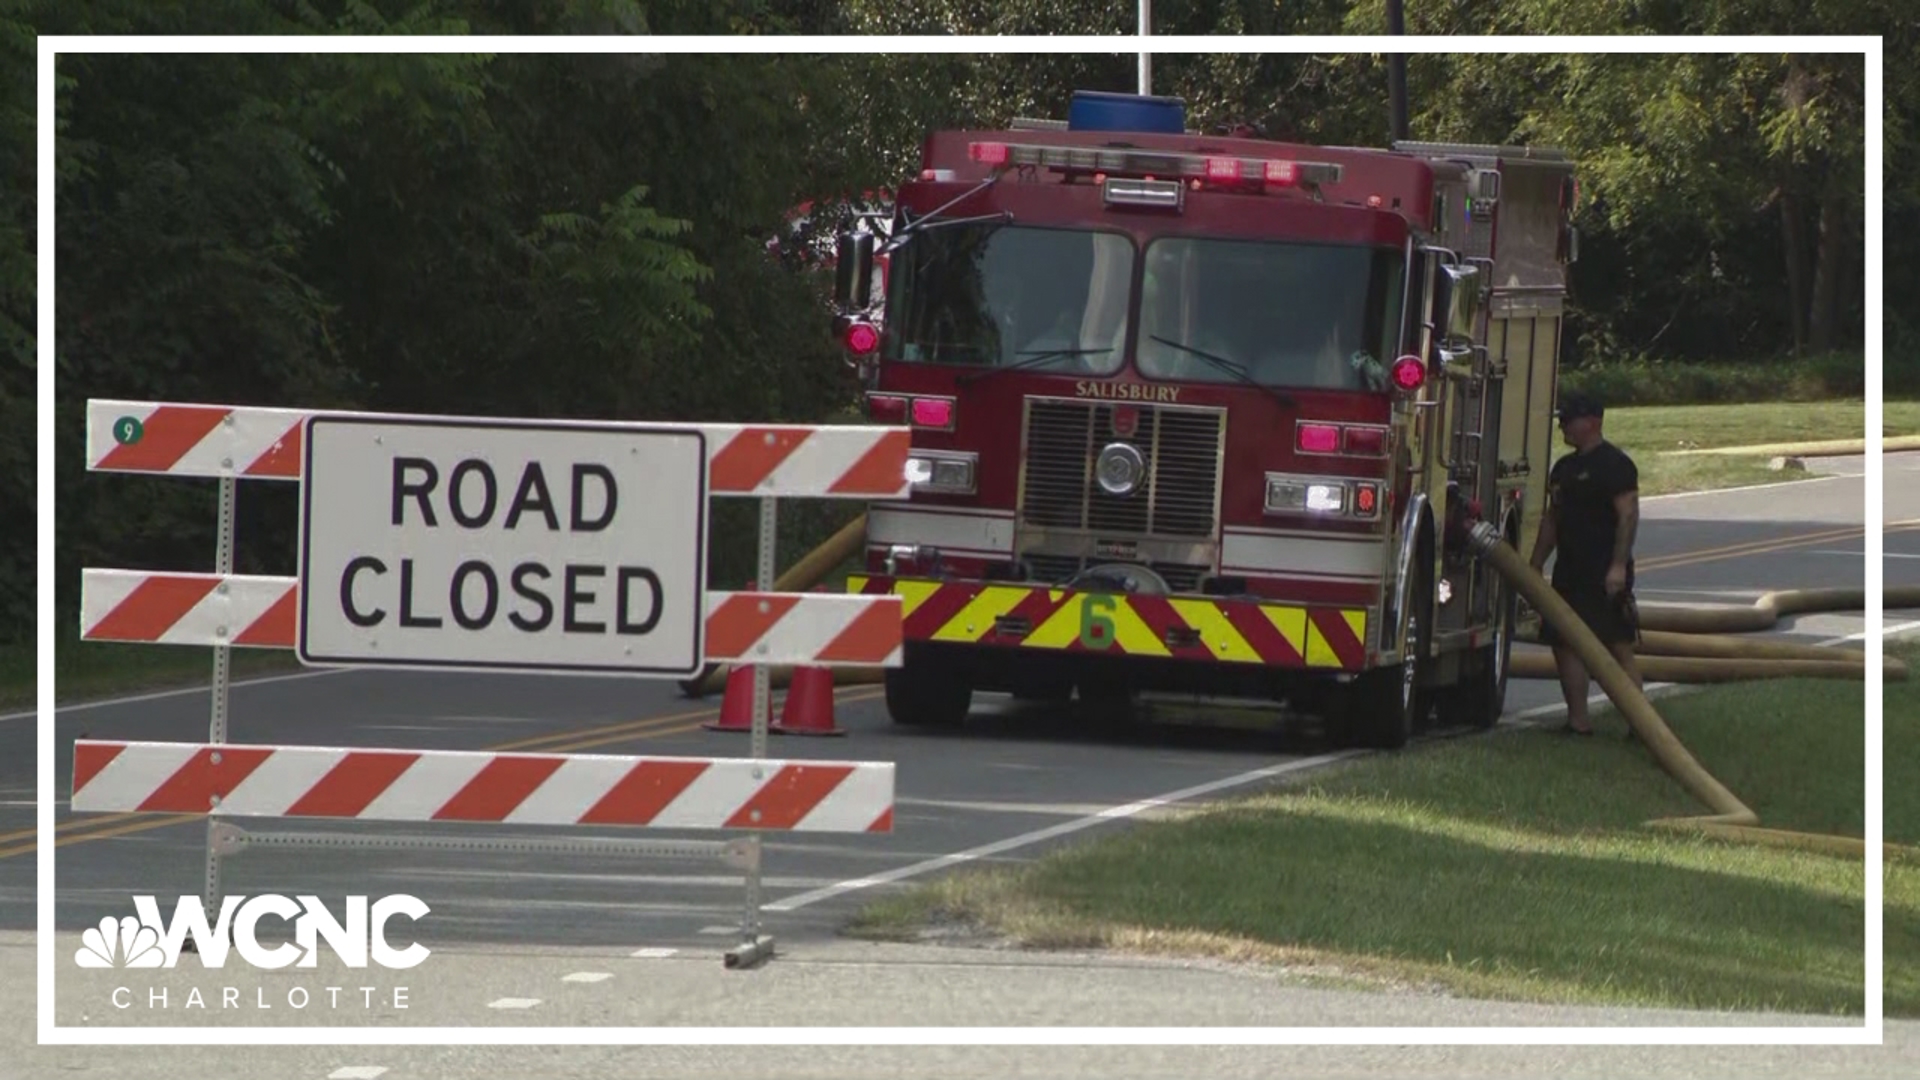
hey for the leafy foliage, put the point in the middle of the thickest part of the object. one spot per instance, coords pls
(17, 285)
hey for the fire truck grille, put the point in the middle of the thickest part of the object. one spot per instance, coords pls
(1178, 498)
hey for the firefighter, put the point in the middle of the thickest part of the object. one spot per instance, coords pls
(1593, 512)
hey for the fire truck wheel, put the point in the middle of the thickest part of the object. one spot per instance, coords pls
(1385, 706)
(1481, 695)
(927, 696)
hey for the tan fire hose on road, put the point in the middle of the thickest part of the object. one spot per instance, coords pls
(1685, 644)
(801, 576)
(1731, 819)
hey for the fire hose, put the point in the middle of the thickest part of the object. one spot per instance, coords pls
(805, 574)
(1731, 819)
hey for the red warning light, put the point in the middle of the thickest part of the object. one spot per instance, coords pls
(1409, 373)
(862, 338)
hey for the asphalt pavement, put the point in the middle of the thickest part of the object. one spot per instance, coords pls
(1012, 785)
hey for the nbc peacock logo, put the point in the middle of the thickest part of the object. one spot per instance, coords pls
(120, 943)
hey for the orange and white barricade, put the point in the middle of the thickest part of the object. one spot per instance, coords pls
(224, 780)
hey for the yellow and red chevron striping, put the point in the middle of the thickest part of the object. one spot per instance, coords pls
(1204, 629)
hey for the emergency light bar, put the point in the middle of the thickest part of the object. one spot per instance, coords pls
(1154, 164)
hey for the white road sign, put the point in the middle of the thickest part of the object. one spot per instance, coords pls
(503, 545)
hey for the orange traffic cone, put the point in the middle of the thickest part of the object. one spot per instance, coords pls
(809, 705)
(736, 708)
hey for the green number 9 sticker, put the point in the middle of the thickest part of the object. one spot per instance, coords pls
(127, 430)
(1096, 622)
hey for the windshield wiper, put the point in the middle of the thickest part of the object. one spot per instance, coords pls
(1031, 360)
(931, 219)
(1238, 371)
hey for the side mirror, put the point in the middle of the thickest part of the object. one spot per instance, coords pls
(1456, 302)
(853, 284)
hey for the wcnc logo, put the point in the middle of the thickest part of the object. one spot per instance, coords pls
(149, 942)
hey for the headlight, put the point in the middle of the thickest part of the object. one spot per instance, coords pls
(941, 472)
(1327, 498)
(1321, 496)
(1285, 494)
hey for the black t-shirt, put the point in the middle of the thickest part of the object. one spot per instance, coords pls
(1582, 488)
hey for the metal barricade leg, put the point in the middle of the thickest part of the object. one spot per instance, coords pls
(222, 682)
(756, 947)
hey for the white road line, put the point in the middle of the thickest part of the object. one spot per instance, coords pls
(513, 1003)
(588, 976)
(652, 953)
(358, 1072)
(1885, 631)
(157, 695)
(1011, 843)
(718, 929)
(1065, 828)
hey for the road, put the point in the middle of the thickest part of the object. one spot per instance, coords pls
(1013, 785)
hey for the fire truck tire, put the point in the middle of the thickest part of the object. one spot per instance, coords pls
(1481, 695)
(927, 696)
(1385, 706)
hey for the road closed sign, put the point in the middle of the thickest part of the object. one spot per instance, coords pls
(503, 545)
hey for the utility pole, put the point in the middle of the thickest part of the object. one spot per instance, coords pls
(1146, 58)
(1396, 73)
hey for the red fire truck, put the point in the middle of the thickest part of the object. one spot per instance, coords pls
(1212, 415)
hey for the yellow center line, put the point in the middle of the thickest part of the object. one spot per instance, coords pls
(1762, 547)
(544, 743)
(1750, 547)
(605, 740)
(105, 834)
(559, 742)
(70, 823)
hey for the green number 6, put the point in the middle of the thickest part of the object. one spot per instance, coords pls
(1096, 622)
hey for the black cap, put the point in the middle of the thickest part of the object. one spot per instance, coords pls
(1574, 406)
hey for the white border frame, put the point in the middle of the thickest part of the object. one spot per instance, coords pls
(1871, 1033)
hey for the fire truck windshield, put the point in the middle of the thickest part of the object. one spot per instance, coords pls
(996, 295)
(1306, 316)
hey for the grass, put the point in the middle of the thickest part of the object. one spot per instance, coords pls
(1648, 432)
(87, 670)
(1514, 867)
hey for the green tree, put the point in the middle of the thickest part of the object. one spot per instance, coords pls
(18, 239)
